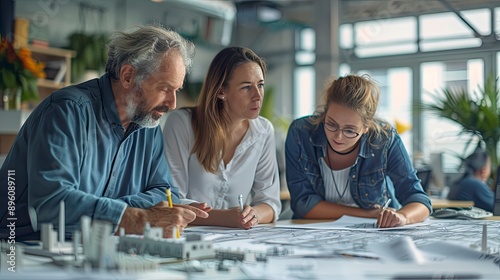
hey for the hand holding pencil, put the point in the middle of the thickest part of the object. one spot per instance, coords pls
(247, 214)
(389, 217)
(176, 233)
(164, 214)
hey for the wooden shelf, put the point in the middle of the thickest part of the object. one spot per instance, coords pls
(45, 54)
(47, 86)
(54, 52)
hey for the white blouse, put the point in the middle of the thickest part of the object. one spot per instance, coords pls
(252, 172)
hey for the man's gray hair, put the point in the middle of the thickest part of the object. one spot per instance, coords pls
(144, 49)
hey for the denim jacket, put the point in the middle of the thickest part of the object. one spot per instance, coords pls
(381, 170)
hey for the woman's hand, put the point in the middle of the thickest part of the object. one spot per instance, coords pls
(202, 206)
(249, 217)
(390, 218)
(246, 219)
(377, 210)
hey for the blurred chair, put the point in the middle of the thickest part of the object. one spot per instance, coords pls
(424, 174)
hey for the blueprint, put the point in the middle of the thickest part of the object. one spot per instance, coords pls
(325, 250)
(464, 233)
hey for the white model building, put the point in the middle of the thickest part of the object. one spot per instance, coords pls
(152, 243)
(51, 240)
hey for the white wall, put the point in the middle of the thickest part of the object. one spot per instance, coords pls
(57, 19)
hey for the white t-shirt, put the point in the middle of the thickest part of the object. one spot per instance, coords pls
(336, 183)
(252, 172)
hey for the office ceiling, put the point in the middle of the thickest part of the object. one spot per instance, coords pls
(354, 10)
(362, 10)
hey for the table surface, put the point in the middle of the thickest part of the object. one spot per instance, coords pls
(346, 248)
(443, 203)
(437, 202)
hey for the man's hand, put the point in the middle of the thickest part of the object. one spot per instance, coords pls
(160, 215)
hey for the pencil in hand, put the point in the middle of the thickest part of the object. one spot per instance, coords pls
(171, 205)
(169, 198)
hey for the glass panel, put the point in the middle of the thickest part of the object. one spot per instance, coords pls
(344, 69)
(378, 32)
(441, 135)
(447, 31)
(450, 44)
(497, 21)
(304, 91)
(443, 25)
(395, 104)
(303, 57)
(386, 50)
(480, 19)
(307, 39)
(345, 36)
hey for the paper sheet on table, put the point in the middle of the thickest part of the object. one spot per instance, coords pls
(440, 250)
(216, 233)
(214, 229)
(403, 250)
(345, 222)
(319, 269)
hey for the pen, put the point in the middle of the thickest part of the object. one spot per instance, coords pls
(171, 205)
(386, 204)
(240, 201)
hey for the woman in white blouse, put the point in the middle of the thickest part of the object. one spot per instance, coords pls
(222, 148)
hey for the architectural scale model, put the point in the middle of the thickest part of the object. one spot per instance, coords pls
(95, 246)
(152, 243)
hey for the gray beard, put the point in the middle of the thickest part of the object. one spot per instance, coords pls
(137, 113)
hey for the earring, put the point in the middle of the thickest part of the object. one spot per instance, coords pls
(223, 98)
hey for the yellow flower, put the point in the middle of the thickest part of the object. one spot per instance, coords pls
(30, 64)
(19, 70)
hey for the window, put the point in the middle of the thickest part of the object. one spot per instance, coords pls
(380, 37)
(304, 91)
(384, 37)
(441, 135)
(447, 31)
(395, 104)
(304, 95)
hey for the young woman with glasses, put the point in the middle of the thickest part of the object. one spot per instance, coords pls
(343, 160)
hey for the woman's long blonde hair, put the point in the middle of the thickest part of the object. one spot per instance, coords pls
(360, 94)
(209, 120)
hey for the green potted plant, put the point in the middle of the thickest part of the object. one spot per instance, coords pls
(478, 114)
(91, 53)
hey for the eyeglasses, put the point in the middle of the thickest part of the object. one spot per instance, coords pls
(348, 133)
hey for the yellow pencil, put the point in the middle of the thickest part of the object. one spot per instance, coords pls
(169, 198)
(171, 205)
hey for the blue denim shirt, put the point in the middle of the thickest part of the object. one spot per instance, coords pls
(73, 147)
(473, 189)
(381, 171)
